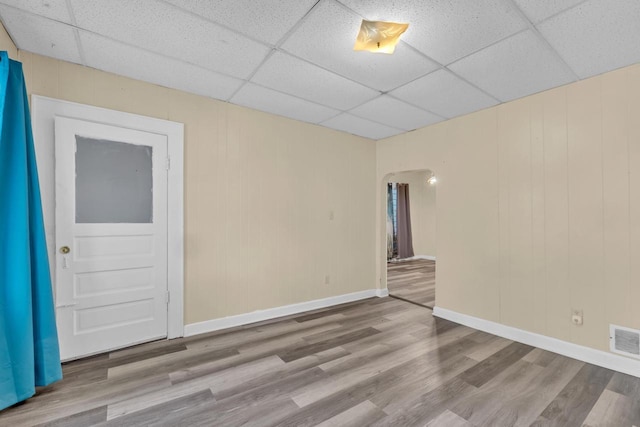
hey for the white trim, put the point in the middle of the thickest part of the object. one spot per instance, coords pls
(429, 257)
(272, 313)
(575, 351)
(44, 110)
(381, 293)
(612, 341)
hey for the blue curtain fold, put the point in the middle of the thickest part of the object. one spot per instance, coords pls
(29, 352)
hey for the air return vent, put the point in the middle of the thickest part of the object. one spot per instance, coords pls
(625, 341)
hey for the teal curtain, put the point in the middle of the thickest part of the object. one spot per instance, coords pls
(29, 353)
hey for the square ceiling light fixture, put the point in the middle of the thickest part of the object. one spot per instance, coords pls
(379, 36)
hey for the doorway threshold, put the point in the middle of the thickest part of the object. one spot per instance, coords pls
(410, 302)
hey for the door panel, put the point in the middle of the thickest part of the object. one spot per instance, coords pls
(111, 236)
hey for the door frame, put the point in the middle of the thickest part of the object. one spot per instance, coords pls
(43, 112)
(381, 219)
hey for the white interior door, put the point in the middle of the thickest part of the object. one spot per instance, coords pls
(111, 236)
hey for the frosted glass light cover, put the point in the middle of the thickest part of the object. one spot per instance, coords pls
(379, 36)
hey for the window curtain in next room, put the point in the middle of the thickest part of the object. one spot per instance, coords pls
(29, 353)
(399, 238)
(405, 241)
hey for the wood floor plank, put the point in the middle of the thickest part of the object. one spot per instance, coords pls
(231, 377)
(265, 349)
(612, 410)
(576, 400)
(270, 400)
(81, 419)
(496, 363)
(449, 419)
(424, 378)
(151, 399)
(215, 382)
(169, 362)
(490, 348)
(343, 329)
(60, 401)
(628, 386)
(307, 349)
(122, 358)
(521, 406)
(362, 414)
(287, 369)
(380, 361)
(265, 414)
(540, 357)
(625, 384)
(386, 387)
(169, 413)
(238, 338)
(486, 401)
(340, 378)
(420, 410)
(386, 336)
(362, 367)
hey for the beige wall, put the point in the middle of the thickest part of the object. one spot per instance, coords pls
(538, 207)
(259, 190)
(422, 201)
(7, 44)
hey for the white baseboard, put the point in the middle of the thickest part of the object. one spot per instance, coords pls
(382, 292)
(272, 313)
(575, 351)
(429, 257)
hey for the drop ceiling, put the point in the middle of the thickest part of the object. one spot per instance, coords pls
(295, 58)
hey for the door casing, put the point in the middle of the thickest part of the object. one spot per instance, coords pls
(44, 110)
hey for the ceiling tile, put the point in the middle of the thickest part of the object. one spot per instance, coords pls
(446, 30)
(444, 93)
(271, 101)
(391, 112)
(349, 123)
(326, 37)
(265, 20)
(596, 36)
(537, 10)
(296, 77)
(40, 35)
(111, 56)
(52, 9)
(515, 67)
(164, 29)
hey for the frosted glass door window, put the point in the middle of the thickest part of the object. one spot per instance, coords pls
(114, 182)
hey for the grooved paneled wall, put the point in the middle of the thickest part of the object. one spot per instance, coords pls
(538, 207)
(260, 192)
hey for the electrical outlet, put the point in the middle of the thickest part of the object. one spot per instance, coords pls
(331, 216)
(327, 279)
(576, 317)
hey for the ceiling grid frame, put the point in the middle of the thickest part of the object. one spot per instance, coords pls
(21, 19)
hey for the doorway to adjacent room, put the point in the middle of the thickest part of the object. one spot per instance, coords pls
(411, 236)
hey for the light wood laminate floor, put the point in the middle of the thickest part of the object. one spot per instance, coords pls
(378, 362)
(413, 280)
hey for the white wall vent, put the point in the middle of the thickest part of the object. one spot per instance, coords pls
(624, 341)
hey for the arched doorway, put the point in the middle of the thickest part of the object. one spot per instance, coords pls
(411, 236)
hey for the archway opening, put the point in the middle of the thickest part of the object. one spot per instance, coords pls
(410, 238)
